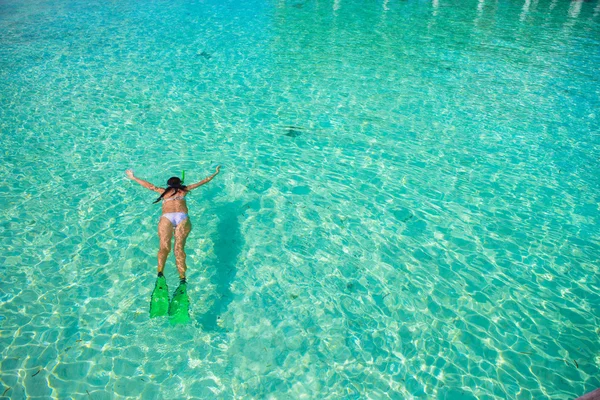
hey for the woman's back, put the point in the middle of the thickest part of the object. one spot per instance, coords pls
(175, 203)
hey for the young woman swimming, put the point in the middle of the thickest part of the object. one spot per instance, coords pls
(174, 219)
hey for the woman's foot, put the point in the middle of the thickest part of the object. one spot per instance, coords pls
(159, 300)
(179, 308)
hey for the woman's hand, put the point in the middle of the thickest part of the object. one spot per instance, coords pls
(129, 174)
(205, 180)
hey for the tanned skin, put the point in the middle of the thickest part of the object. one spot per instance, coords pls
(166, 232)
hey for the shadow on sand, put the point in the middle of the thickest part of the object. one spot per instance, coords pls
(228, 243)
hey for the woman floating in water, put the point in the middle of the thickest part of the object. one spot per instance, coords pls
(174, 219)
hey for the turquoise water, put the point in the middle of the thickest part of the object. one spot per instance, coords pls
(408, 206)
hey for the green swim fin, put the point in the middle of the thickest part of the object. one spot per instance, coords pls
(179, 309)
(159, 302)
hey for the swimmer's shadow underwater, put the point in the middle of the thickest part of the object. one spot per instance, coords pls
(178, 309)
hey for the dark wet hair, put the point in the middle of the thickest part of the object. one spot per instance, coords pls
(174, 183)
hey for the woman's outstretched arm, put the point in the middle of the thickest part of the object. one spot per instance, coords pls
(144, 183)
(205, 180)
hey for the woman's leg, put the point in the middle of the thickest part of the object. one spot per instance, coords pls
(181, 233)
(165, 234)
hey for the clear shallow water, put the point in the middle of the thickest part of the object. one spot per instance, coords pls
(409, 204)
